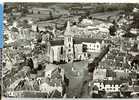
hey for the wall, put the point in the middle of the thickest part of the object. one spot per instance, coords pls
(107, 87)
(78, 52)
(99, 74)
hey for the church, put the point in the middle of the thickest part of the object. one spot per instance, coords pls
(71, 48)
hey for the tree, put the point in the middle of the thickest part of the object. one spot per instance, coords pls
(84, 48)
(38, 12)
(124, 91)
(6, 37)
(135, 20)
(24, 11)
(39, 38)
(25, 22)
(30, 63)
(102, 93)
(87, 13)
(94, 93)
(50, 14)
(80, 19)
(112, 30)
(37, 29)
(135, 62)
(129, 7)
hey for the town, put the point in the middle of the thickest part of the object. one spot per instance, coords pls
(55, 50)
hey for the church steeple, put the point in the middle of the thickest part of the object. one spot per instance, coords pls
(68, 29)
(53, 31)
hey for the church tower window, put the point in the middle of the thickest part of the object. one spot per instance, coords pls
(69, 39)
(69, 50)
(61, 50)
(69, 45)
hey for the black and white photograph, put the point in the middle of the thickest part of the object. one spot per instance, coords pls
(70, 50)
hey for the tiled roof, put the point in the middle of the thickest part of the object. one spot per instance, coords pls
(110, 73)
(135, 48)
(24, 85)
(136, 88)
(57, 42)
(54, 82)
(112, 82)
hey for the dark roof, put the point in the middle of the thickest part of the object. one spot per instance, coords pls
(26, 26)
(90, 40)
(24, 85)
(137, 57)
(136, 88)
(76, 41)
(14, 29)
(112, 82)
(57, 42)
(121, 54)
(129, 35)
(134, 48)
(110, 73)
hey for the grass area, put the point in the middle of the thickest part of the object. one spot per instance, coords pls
(76, 80)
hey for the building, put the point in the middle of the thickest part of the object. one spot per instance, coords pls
(39, 11)
(49, 69)
(54, 76)
(108, 85)
(99, 74)
(71, 48)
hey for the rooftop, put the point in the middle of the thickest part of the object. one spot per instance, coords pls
(51, 67)
(76, 41)
(57, 42)
(109, 82)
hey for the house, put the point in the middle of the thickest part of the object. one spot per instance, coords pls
(50, 89)
(54, 76)
(121, 73)
(135, 92)
(135, 10)
(13, 33)
(49, 69)
(108, 85)
(71, 48)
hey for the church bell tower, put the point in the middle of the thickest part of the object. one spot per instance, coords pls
(68, 44)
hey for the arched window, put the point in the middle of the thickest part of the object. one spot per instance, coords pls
(97, 46)
(69, 45)
(61, 50)
(69, 39)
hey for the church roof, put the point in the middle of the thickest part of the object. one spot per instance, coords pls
(68, 29)
(57, 42)
(76, 41)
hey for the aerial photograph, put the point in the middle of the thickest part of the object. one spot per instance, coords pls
(70, 50)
